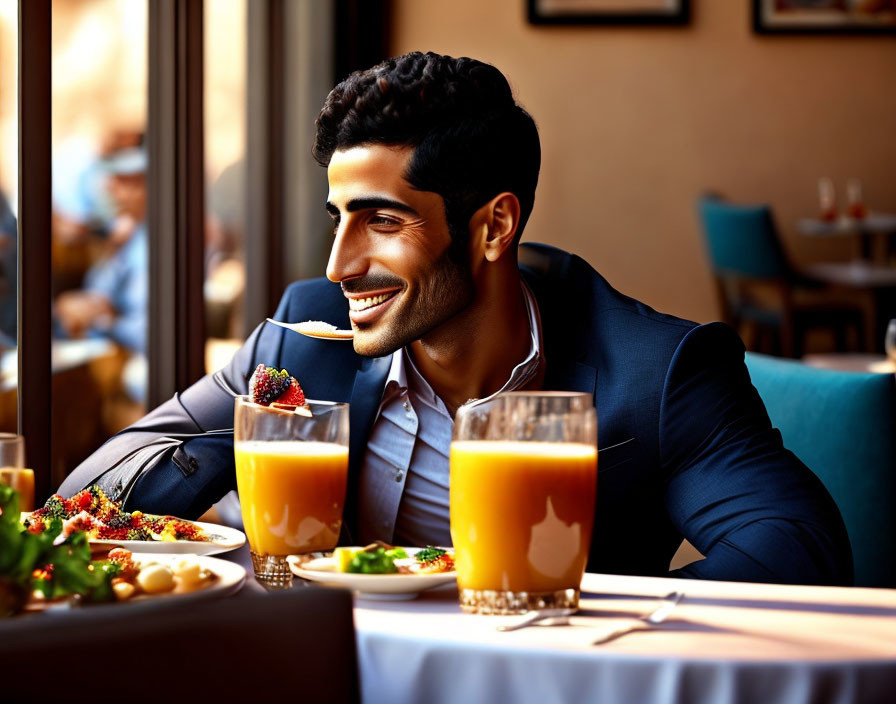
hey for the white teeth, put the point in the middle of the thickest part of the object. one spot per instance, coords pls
(365, 303)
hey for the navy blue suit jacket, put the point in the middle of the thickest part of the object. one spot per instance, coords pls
(686, 448)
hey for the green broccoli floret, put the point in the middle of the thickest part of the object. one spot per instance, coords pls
(376, 561)
(54, 508)
(429, 553)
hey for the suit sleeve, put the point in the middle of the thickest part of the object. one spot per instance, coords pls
(745, 502)
(178, 459)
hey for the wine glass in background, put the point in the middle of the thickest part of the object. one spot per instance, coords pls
(855, 201)
(12, 469)
(827, 200)
(890, 341)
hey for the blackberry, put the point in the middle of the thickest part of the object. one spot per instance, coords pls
(54, 508)
(119, 520)
(268, 384)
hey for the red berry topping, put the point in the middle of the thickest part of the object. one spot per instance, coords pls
(294, 396)
(83, 500)
(267, 384)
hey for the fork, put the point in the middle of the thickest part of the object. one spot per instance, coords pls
(644, 622)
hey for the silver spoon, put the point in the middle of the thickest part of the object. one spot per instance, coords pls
(644, 622)
(536, 616)
(317, 329)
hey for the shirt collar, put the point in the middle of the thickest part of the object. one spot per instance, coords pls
(522, 374)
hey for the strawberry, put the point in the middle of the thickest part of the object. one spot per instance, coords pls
(268, 385)
(294, 396)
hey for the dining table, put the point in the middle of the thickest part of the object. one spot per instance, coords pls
(874, 284)
(723, 642)
(875, 229)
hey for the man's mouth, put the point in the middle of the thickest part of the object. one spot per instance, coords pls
(359, 304)
(365, 308)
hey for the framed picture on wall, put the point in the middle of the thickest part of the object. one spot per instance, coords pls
(619, 12)
(824, 16)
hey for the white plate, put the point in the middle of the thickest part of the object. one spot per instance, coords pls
(383, 586)
(223, 539)
(231, 578)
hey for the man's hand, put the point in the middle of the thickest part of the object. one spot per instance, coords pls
(80, 311)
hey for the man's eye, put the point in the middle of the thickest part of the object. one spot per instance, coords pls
(382, 220)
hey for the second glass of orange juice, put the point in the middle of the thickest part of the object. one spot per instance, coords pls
(291, 474)
(523, 486)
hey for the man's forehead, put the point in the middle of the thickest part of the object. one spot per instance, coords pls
(372, 156)
(369, 172)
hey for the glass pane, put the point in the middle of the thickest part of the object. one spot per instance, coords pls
(225, 188)
(99, 254)
(8, 207)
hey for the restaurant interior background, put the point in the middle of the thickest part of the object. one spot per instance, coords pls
(636, 122)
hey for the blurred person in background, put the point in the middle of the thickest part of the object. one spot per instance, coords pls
(225, 268)
(113, 299)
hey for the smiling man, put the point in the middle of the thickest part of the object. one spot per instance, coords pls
(432, 167)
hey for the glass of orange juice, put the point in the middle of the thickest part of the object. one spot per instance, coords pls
(291, 473)
(12, 469)
(522, 497)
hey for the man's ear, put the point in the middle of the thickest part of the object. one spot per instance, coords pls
(495, 225)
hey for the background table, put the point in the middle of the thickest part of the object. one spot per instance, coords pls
(726, 642)
(874, 283)
(882, 225)
(869, 363)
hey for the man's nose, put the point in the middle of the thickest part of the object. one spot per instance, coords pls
(346, 258)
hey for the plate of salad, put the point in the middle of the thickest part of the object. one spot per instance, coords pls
(106, 523)
(379, 570)
(48, 568)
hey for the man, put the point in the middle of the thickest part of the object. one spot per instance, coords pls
(432, 169)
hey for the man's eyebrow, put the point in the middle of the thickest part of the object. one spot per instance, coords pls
(371, 203)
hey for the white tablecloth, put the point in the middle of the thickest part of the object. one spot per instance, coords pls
(726, 642)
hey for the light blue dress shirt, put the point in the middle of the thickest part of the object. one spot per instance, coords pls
(123, 278)
(404, 475)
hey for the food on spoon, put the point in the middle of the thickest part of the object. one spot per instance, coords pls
(94, 513)
(316, 328)
(269, 386)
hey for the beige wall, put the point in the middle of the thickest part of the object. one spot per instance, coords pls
(635, 122)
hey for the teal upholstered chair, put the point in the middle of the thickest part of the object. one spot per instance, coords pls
(758, 288)
(842, 425)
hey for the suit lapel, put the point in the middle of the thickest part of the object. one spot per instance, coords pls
(367, 393)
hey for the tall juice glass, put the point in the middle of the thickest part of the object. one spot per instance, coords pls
(13, 471)
(291, 473)
(523, 488)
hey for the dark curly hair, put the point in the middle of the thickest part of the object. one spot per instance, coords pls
(471, 140)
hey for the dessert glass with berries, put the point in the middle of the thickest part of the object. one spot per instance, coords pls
(291, 459)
